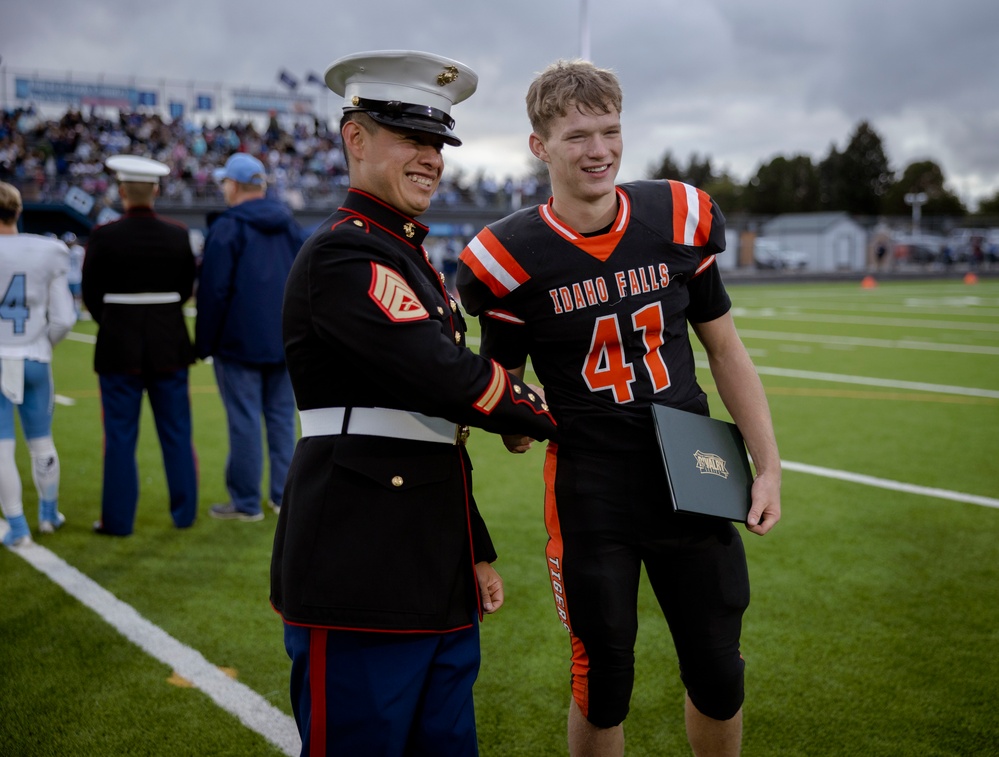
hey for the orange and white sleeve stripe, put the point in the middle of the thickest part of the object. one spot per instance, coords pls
(492, 264)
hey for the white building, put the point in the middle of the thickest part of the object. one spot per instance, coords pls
(831, 241)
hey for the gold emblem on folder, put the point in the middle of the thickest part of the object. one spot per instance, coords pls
(710, 463)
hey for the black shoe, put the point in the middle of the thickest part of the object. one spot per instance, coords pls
(99, 529)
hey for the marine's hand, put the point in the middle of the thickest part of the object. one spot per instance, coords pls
(765, 510)
(490, 587)
(517, 443)
(537, 390)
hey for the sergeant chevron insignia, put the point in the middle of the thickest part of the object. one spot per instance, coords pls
(394, 296)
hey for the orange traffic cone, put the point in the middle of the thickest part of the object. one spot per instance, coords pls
(868, 282)
(971, 278)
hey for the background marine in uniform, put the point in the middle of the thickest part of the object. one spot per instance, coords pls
(138, 272)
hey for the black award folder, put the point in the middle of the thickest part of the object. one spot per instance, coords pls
(706, 464)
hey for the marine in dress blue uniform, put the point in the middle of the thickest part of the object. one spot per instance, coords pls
(380, 551)
(138, 272)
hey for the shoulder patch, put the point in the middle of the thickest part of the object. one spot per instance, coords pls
(394, 296)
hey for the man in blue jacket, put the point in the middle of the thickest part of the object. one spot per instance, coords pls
(248, 254)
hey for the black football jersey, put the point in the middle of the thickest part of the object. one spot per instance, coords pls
(603, 318)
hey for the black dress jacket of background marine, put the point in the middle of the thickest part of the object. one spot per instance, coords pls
(379, 533)
(139, 253)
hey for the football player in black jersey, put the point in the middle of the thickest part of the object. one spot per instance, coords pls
(597, 287)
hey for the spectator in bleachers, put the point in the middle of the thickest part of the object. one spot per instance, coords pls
(44, 158)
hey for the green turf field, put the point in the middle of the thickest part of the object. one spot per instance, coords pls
(875, 612)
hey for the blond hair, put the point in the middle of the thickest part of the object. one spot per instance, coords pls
(571, 83)
(10, 203)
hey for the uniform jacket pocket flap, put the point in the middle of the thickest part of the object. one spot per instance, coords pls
(399, 473)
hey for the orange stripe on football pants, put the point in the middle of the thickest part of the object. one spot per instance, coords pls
(554, 552)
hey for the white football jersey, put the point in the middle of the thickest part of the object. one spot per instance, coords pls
(36, 307)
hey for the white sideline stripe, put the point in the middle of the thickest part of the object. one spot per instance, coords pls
(248, 706)
(897, 344)
(871, 381)
(914, 323)
(842, 378)
(884, 483)
(76, 336)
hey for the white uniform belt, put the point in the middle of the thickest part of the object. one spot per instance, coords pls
(381, 421)
(142, 298)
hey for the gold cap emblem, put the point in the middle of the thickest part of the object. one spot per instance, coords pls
(355, 101)
(448, 75)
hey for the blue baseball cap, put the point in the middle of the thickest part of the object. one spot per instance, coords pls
(243, 169)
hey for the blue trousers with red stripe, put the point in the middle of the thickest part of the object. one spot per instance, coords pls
(121, 401)
(384, 694)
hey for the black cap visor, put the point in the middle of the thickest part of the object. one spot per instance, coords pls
(406, 116)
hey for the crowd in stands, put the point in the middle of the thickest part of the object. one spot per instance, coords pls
(44, 157)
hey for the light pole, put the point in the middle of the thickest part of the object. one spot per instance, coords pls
(916, 200)
(584, 30)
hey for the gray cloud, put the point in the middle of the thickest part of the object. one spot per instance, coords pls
(739, 82)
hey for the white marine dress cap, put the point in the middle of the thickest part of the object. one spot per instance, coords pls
(136, 168)
(406, 89)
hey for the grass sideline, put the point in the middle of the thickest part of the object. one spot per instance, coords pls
(874, 616)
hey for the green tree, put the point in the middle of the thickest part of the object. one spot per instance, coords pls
(857, 179)
(697, 173)
(728, 193)
(989, 206)
(784, 185)
(667, 168)
(927, 177)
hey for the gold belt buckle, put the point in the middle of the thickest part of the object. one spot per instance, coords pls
(461, 434)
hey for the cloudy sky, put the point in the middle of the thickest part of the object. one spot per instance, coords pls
(740, 82)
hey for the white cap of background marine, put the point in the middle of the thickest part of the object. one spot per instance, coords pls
(137, 168)
(403, 88)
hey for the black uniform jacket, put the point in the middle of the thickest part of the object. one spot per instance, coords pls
(379, 533)
(139, 253)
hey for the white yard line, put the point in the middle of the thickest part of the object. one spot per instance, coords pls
(840, 378)
(860, 341)
(248, 706)
(864, 320)
(884, 483)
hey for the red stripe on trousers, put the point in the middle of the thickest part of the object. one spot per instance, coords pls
(317, 691)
